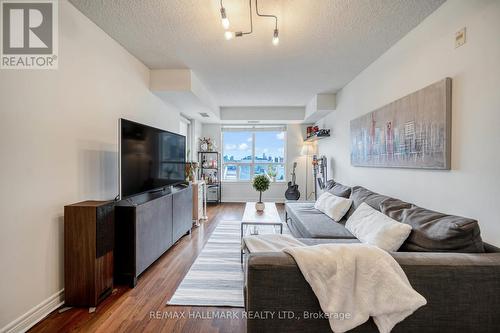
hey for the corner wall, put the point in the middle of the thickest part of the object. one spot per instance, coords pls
(58, 142)
(427, 54)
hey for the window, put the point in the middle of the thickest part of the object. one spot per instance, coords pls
(253, 151)
(185, 129)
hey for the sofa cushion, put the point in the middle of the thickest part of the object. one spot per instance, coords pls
(308, 222)
(433, 231)
(360, 194)
(338, 189)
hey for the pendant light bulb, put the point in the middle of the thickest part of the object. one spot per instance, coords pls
(224, 19)
(225, 23)
(228, 35)
(276, 38)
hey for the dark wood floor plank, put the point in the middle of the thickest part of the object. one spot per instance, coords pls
(128, 310)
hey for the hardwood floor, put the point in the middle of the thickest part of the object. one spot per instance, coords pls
(129, 310)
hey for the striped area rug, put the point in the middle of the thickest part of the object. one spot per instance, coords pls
(216, 276)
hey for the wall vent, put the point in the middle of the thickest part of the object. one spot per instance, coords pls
(204, 114)
(253, 121)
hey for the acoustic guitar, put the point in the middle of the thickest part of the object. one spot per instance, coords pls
(292, 192)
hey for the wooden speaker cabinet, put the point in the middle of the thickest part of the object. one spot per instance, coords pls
(88, 252)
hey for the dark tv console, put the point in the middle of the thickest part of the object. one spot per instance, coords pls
(146, 226)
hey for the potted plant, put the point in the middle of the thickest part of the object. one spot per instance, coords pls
(261, 184)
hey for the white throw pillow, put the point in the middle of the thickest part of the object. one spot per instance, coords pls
(373, 227)
(333, 206)
(319, 202)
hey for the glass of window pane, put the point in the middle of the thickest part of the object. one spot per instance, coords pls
(245, 172)
(260, 169)
(237, 147)
(229, 172)
(280, 172)
(270, 147)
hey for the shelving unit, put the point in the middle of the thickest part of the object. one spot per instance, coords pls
(313, 138)
(210, 164)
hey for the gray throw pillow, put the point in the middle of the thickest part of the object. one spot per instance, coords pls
(433, 231)
(360, 194)
(338, 189)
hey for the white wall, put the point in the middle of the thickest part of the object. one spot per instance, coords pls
(197, 128)
(426, 55)
(243, 191)
(212, 131)
(58, 145)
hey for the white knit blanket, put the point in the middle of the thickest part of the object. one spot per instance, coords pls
(354, 282)
(270, 242)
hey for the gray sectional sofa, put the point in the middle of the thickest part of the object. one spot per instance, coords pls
(444, 258)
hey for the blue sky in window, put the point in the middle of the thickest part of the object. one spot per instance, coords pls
(270, 144)
(238, 145)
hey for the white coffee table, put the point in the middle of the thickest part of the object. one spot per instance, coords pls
(269, 217)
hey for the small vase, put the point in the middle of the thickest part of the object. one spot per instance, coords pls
(259, 206)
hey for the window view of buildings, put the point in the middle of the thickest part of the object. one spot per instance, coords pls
(247, 154)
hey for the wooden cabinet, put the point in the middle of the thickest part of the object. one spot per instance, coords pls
(88, 252)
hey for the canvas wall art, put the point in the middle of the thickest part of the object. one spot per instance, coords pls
(411, 132)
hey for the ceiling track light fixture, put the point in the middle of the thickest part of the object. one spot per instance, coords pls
(276, 38)
(223, 17)
(230, 35)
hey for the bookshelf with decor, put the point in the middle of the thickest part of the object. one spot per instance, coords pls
(209, 171)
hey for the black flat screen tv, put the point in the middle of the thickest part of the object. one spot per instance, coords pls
(150, 158)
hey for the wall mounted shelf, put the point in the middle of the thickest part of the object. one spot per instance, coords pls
(313, 138)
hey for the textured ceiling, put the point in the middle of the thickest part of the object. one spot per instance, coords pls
(323, 43)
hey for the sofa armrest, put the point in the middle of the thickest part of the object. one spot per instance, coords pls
(275, 285)
(462, 292)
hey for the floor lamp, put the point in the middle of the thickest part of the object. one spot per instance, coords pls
(307, 150)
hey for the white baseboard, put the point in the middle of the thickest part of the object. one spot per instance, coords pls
(35, 314)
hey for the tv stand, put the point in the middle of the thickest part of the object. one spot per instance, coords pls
(158, 190)
(146, 226)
